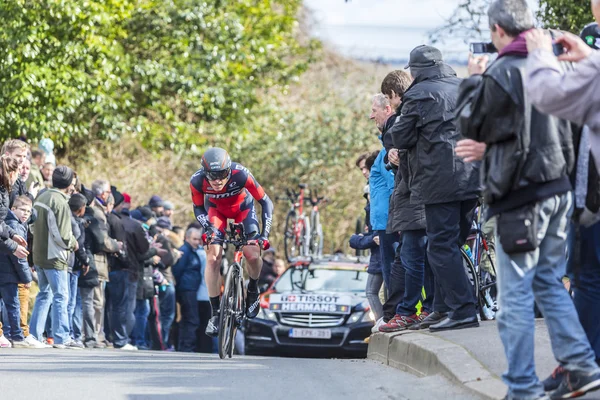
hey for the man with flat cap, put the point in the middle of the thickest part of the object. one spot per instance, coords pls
(441, 181)
(52, 241)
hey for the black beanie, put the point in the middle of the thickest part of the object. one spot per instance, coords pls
(62, 177)
(117, 196)
(77, 201)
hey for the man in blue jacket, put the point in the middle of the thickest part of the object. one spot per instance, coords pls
(188, 277)
(381, 185)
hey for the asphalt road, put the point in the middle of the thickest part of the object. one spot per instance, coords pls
(50, 374)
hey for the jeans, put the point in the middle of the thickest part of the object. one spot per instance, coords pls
(448, 225)
(395, 288)
(88, 314)
(10, 295)
(523, 277)
(78, 318)
(73, 278)
(387, 250)
(123, 289)
(204, 343)
(190, 320)
(138, 335)
(586, 284)
(414, 258)
(54, 289)
(374, 282)
(167, 306)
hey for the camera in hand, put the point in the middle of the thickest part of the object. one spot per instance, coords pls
(557, 49)
(483, 48)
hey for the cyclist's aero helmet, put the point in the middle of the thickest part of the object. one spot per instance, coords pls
(591, 35)
(216, 163)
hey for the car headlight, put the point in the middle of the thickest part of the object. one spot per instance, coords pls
(265, 313)
(368, 317)
(355, 317)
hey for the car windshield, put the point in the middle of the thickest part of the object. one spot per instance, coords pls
(315, 280)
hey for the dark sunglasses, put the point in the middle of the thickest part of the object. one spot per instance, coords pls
(217, 175)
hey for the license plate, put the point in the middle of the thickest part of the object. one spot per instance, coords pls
(310, 333)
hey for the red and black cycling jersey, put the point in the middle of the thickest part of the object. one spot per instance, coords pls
(230, 202)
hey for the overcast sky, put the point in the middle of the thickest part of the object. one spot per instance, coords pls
(383, 28)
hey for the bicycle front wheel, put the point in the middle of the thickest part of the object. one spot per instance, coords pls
(230, 303)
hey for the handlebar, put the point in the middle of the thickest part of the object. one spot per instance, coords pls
(293, 197)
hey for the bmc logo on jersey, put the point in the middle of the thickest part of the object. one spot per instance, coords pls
(223, 195)
(241, 168)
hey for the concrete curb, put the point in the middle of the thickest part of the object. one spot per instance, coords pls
(423, 354)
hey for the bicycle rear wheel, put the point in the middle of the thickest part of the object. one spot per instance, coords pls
(471, 273)
(230, 304)
(316, 243)
(291, 243)
(488, 305)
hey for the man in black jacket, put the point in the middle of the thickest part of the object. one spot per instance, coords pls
(124, 275)
(526, 166)
(441, 181)
(409, 219)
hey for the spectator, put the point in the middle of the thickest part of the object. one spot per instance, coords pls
(47, 171)
(584, 272)
(15, 271)
(79, 261)
(168, 209)
(567, 94)
(166, 294)
(124, 276)
(527, 159)
(24, 173)
(267, 273)
(381, 185)
(37, 161)
(442, 182)
(410, 220)
(103, 245)
(279, 267)
(126, 201)
(47, 146)
(52, 241)
(145, 288)
(370, 240)
(18, 150)
(157, 206)
(188, 275)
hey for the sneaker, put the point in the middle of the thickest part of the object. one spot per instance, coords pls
(375, 328)
(36, 344)
(399, 323)
(99, 345)
(127, 347)
(75, 344)
(553, 381)
(71, 344)
(212, 329)
(576, 384)
(252, 304)
(4, 342)
(20, 344)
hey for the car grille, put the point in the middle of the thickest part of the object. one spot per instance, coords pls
(312, 320)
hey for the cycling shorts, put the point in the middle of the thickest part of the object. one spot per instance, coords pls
(244, 213)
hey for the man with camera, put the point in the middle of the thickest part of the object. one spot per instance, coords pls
(526, 185)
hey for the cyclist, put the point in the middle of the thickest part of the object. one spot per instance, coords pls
(223, 190)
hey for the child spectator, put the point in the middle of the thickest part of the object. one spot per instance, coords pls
(15, 278)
